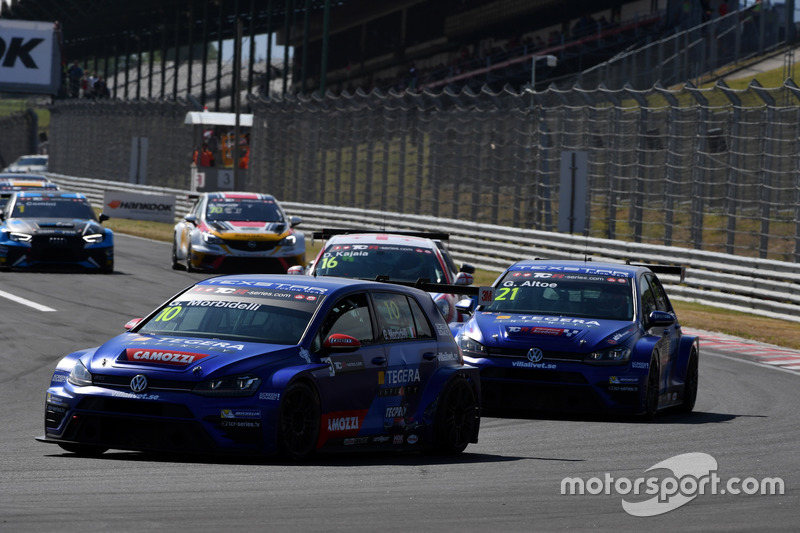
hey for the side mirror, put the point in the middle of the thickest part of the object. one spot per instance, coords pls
(296, 270)
(132, 323)
(191, 219)
(660, 319)
(464, 278)
(466, 267)
(103, 217)
(466, 306)
(295, 221)
(341, 343)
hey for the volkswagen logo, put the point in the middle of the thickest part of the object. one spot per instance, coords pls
(534, 356)
(139, 383)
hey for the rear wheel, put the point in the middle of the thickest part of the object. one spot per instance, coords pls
(690, 385)
(84, 449)
(456, 417)
(651, 394)
(298, 422)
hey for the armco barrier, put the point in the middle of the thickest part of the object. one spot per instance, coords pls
(759, 286)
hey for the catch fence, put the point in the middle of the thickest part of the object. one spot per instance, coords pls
(709, 169)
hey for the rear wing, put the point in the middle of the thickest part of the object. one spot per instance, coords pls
(427, 286)
(664, 269)
(327, 233)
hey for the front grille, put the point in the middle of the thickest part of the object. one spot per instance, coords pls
(522, 353)
(123, 406)
(533, 374)
(503, 396)
(56, 248)
(251, 246)
(124, 382)
(139, 434)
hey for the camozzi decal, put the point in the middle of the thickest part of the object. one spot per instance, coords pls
(172, 358)
(338, 424)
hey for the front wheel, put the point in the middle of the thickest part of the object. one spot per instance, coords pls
(298, 422)
(651, 394)
(189, 266)
(690, 385)
(176, 265)
(456, 417)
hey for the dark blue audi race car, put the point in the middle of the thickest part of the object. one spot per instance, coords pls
(44, 229)
(262, 364)
(581, 337)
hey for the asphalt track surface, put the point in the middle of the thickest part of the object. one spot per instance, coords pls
(746, 419)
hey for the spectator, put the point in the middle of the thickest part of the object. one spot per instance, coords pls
(206, 157)
(99, 89)
(75, 75)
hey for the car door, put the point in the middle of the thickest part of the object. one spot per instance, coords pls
(654, 299)
(350, 385)
(411, 350)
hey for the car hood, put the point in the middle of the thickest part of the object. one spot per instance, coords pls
(54, 226)
(547, 332)
(248, 229)
(131, 353)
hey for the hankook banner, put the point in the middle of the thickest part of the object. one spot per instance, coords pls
(30, 60)
(155, 207)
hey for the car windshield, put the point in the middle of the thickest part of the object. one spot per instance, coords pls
(367, 261)
(242, 314)
(562, 294)
(32, 161)
(243, 210)
(53, 207)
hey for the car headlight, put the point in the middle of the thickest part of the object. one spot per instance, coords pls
(210, 238)
(289, 240)
(470, 347)
(20, 237)
(617, 355)
(245, 385)
(79, 376)
(94, 238)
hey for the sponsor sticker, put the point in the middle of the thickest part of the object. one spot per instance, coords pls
(163, 357)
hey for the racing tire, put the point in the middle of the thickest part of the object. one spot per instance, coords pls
(86, 450)
(108, 269)
(189, 267)
(690, 385)
(298, 422)
(651, 392)
(176, 265)
(456, 417)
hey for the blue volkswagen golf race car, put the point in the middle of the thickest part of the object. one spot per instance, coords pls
(263, 364)
(580, 337)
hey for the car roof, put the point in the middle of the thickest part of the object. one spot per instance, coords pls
(327, 285)
(22, 176)
(23, 183)
(576, 266)
(240, 195)
(382, 238)
(50, 194)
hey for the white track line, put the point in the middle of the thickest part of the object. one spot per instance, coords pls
(23, 301)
